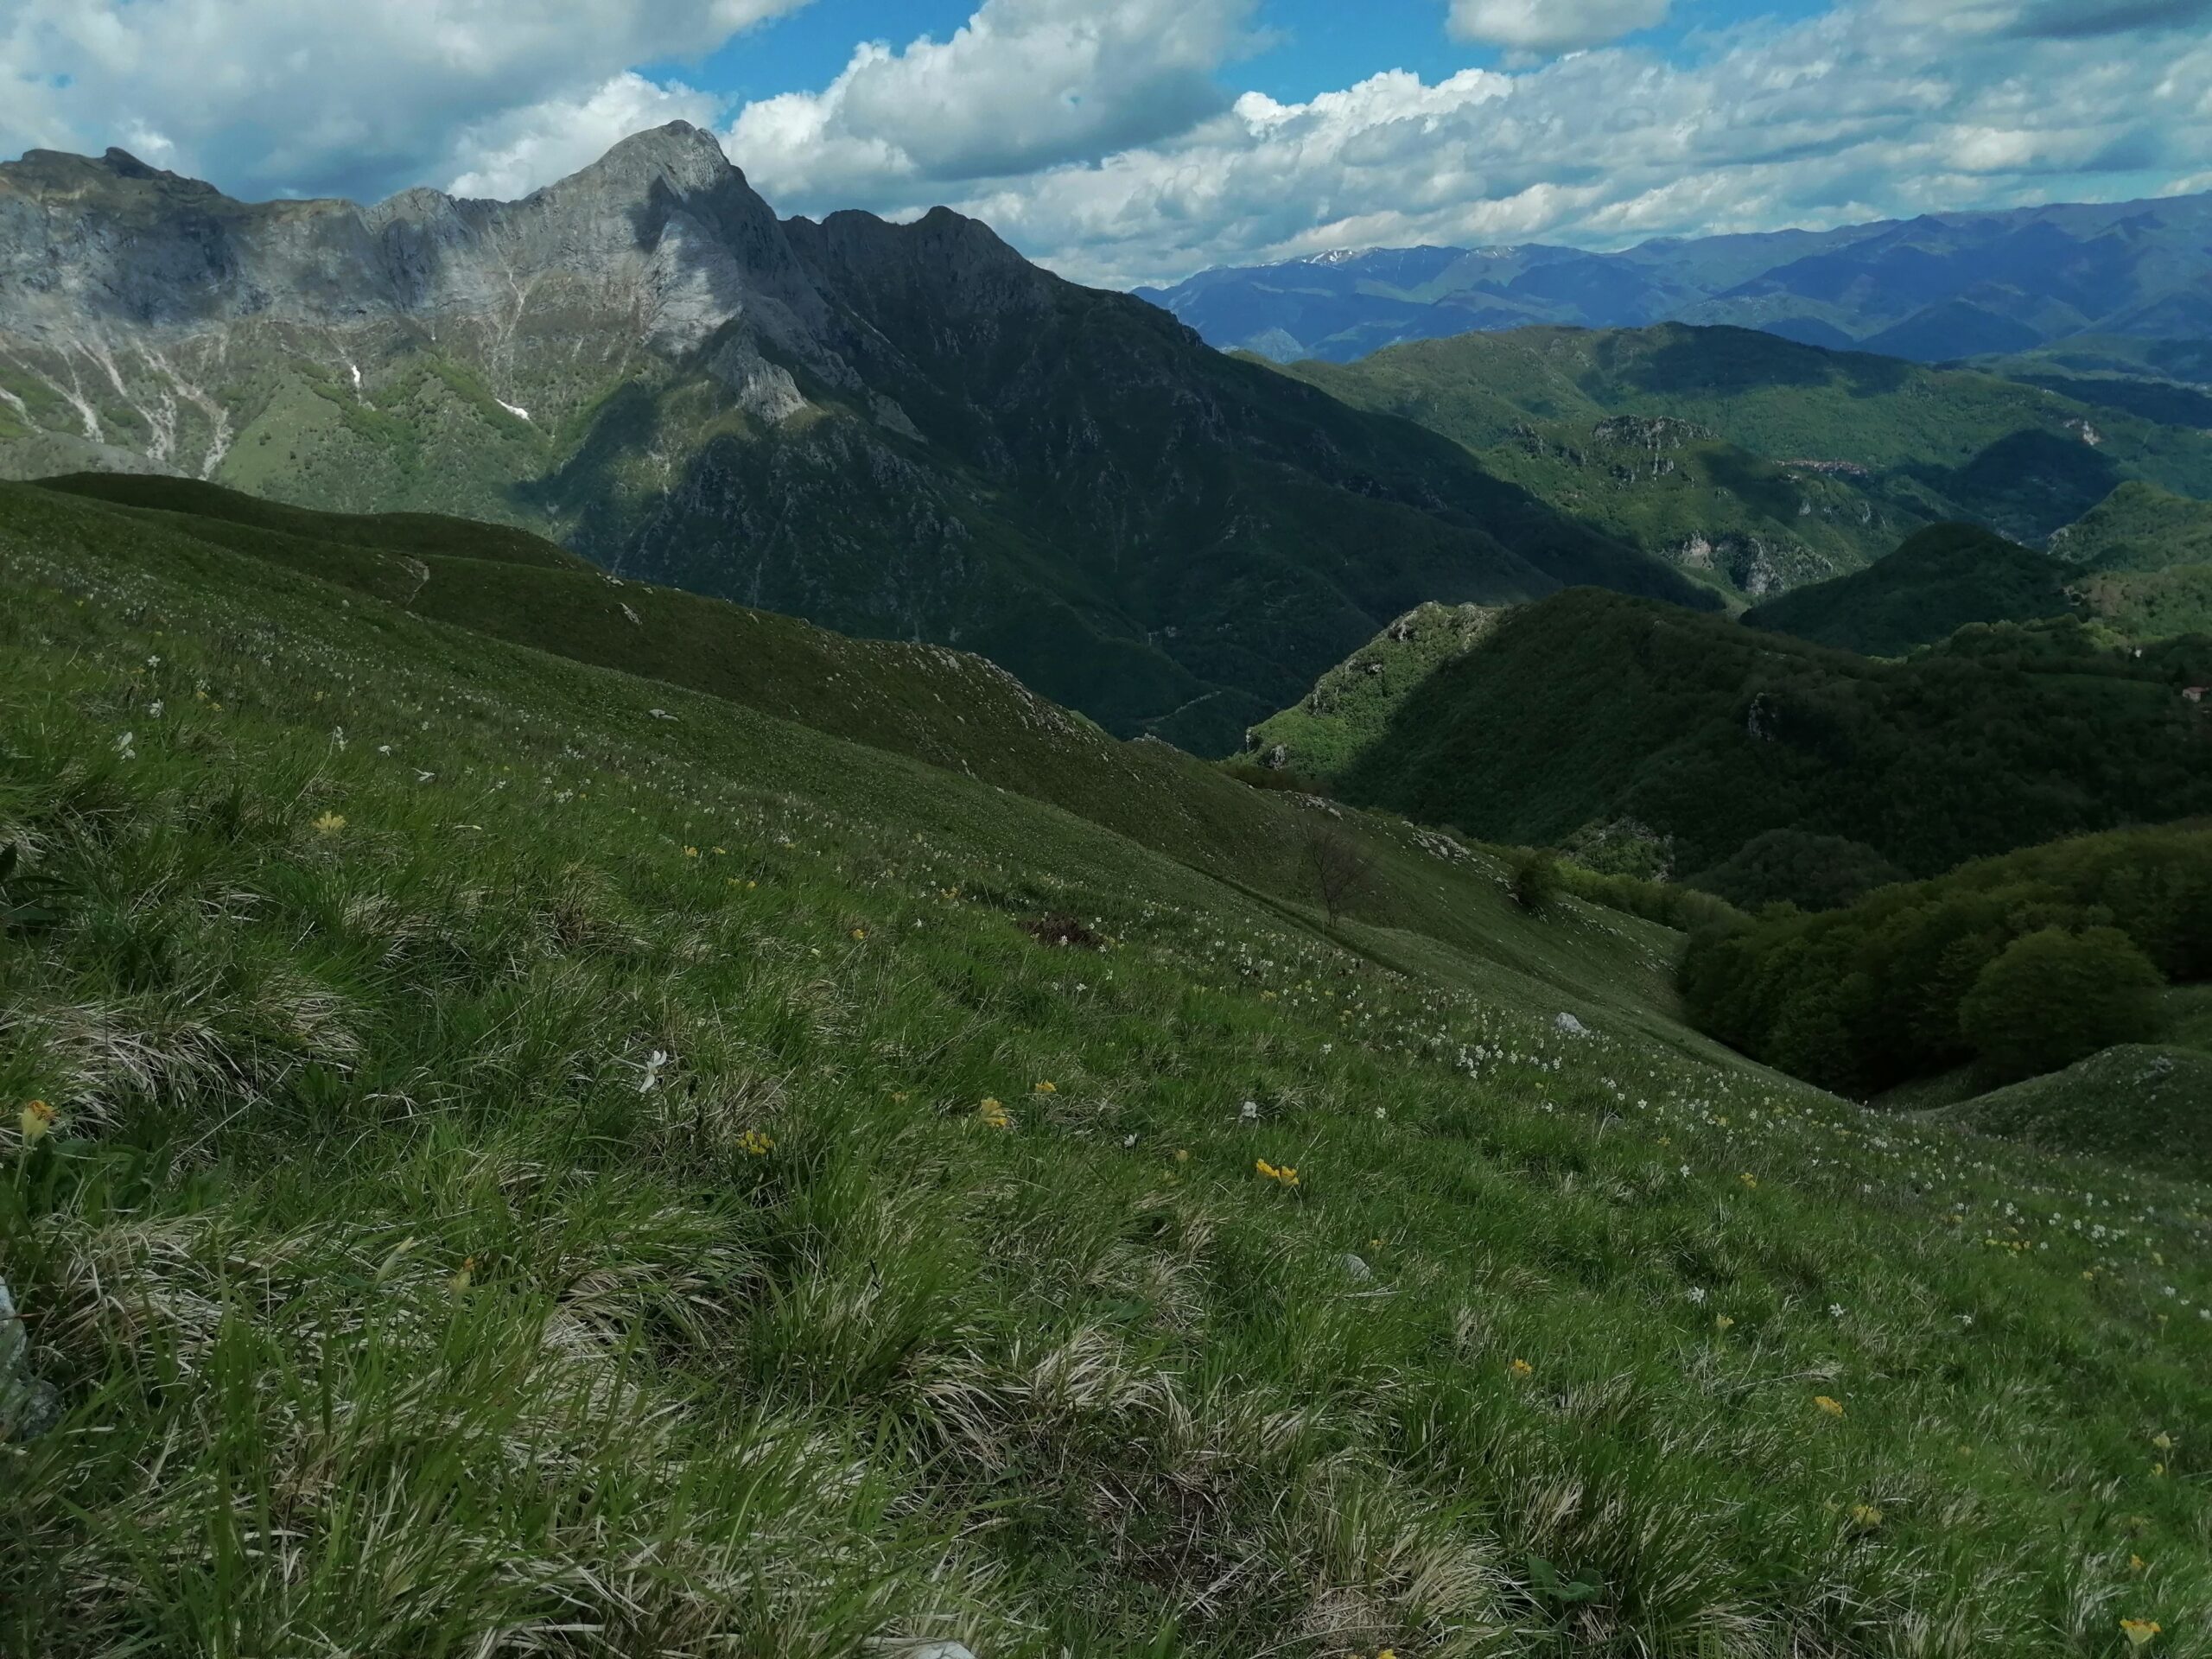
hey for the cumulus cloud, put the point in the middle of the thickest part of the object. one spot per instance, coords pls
(1873, 109)
(352, 97)
(518, 150)
(1552, 25)
(1025, 85)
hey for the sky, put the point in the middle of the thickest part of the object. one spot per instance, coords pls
(1122, 142)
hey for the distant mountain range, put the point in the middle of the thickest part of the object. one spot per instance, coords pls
(2131, 282)
(896, 431)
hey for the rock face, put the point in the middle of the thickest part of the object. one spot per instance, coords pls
(902, 430)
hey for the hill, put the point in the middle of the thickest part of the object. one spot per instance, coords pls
(1858, 448)
(903, 432)
(2146, 1105)
(532, 1154)
(1588, 710)
(1869, 997)
(1937, 582)
(2138, 527)
(1935, 288)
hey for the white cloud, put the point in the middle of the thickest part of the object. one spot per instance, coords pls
(1877, 107)
(272, 97)
(1552, 25)
(1024, 85)
(518, 150)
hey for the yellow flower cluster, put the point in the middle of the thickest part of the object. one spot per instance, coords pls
(996, 1114)
(1046, 1089)
(1285, 1176)
(2140, 1632)
(1521, 1368)
(1834, 1408)
(755, 1144)
(329, 823)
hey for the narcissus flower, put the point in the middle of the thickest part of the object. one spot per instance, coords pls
(2140, 1632)
(36, 1119)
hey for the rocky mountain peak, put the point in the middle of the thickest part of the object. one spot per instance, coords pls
(687, 158)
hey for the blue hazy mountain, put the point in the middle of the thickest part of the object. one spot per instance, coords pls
(1940, 287)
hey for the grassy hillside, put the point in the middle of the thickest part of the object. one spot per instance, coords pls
(1589, 710)
(1355, 702)
(1936, 583)
(543, 1157)
(1913, 443)
(2140, 1104)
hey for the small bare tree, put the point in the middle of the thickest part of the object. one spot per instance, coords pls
(1336, 863)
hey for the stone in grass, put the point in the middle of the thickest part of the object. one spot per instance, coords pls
(1571, 1026)
(29, 1406)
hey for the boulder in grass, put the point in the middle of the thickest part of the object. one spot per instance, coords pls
(29, 1406)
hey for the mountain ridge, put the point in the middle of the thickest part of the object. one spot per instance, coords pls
(895, 431)
(1935, 288)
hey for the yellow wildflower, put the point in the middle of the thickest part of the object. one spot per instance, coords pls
(1046, 1089)
(2163, 1442)
(993, 1113)
(460, 1279)
(329, 823)
(1834, 1408)
(690, 852)
(35, 1119)
(859, 933)
(756, 1144)
(1866, 1514)
(1748, 1179)
(1721, 1322)
(1521, 1368)
(1182, 1154)
(2136, 1563)
(2140, 1632)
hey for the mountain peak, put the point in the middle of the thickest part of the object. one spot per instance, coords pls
(688, 156)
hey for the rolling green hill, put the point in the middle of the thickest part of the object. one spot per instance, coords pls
(2145, 1104)
(530, 1155)
(1856, 448)
(1588, 710)
(1937, 582)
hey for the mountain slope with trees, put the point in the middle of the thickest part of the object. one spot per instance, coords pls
(1873, 445)
(1589, 711)
(905, 431)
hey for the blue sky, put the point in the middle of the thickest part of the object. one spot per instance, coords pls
(1129, 141)
(1310, 46)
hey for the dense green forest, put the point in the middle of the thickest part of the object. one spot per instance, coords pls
(1935, 583)
(2020, 965)
(1590, 710)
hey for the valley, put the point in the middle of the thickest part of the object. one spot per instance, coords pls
(755, 934)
